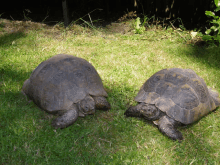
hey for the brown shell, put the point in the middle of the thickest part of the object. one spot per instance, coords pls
(62, 80)
(180, 93)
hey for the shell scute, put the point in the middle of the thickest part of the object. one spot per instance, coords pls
(152, 82)
(185, 98)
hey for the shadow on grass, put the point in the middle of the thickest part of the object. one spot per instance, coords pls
(11, 79)
(93, 139)
(7, 39)
(208, 56)
(194, 147)
(84, 141)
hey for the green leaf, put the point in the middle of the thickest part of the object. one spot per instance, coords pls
(209, 13)
(207, 37)
(214, 28)
(138, 22)
(208, 31)
(139, 29)
(217, 38)
(217, 9)
(216, 3)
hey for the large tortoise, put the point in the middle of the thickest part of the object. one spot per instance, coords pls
(173, 97)
(68, 86)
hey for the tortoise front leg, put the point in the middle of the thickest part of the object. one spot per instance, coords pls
(67, 118)
(133, 111)
(101, 103)
(167, 126)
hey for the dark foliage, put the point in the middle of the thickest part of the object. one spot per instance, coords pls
(192, 12)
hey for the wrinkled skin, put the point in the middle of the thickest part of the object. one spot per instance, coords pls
(85, 107)
(101, 103)
(150, 112)
(67, 118)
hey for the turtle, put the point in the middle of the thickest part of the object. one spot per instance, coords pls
(173, 97)
(66, 86)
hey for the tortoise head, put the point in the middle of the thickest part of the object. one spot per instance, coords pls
(87, 106)
(148, 111)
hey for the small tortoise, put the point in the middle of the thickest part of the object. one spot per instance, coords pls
(173, 97)
(68, 86)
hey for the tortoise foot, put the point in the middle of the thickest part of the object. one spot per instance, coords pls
(167, 126)
(67, 119)
(101, 103)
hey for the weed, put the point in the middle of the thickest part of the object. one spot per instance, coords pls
(139, 29)
(213, 34)
(26, 13)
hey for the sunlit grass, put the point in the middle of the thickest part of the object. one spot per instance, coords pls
(124, 62)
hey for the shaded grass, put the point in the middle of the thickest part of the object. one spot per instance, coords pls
(124, 62)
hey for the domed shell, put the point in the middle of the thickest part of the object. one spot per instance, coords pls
(62, 80)
(180, 93)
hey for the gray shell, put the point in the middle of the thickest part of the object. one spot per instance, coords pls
(62, 80)
(180, 93)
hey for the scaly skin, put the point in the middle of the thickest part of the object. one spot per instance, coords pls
(84, 107)
(101, 103)
(167, 126)
(150, 112)
(67, 119)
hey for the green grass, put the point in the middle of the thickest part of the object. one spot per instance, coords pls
(124, 62)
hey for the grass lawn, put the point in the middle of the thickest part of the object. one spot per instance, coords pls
(124, 62)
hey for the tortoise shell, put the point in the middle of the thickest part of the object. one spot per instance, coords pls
(180, 93)
(62, 80)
